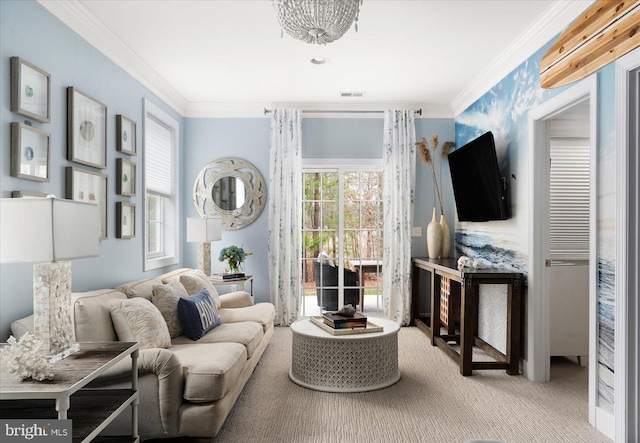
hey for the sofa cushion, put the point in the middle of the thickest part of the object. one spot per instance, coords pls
(325, 259)
(165, 298)
(144, 288)
(198, 314)
(262, 313)
(194, 281)
(210, 369)
(236, 299)
(140, 288)
(247, 333)
(136, 319)
(22, 326)
(92, 315)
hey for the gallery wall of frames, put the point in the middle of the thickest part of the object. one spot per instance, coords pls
(87, 134)
(71, 125)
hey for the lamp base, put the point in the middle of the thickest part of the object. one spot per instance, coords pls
(72, 349)
(52, 309)
(204, 258)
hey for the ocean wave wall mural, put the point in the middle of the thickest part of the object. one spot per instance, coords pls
(504, 110)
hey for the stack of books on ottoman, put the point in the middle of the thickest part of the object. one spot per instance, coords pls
(337, 321)
(336, 324)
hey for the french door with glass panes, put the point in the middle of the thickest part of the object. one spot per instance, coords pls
(342, 239)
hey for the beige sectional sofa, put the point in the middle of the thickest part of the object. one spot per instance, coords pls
(189, 387)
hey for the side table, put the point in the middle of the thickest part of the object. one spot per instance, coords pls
(66, 396)
(236, 282)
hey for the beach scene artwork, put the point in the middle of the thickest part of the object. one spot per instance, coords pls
(504, 110)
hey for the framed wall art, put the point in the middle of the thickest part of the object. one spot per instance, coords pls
(30, 90)
(125, 178)
(89, 186)
(125, 220)
(86, 129)
(125, 135)
(30, 152)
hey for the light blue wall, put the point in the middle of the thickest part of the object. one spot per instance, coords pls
(30, 32)
(208, 139)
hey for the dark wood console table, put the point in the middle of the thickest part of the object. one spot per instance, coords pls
(466, 289)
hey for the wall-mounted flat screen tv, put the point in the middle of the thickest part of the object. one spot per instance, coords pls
(478, 188)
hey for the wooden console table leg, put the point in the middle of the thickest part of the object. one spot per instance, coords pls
(415, 293)
(468, 314)
(514, 301)
(435, 307)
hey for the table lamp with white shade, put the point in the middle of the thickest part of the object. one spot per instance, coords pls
(204, 231)
(49, 232)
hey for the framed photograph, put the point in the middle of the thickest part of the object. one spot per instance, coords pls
(125, 178)
(30, 90)
(30, 152)
(89, 186)
(86, 129)
(125, 135)
(125, 220)
(28, 194)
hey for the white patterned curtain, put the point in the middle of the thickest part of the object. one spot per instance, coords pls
(399, 178)
(285, 214)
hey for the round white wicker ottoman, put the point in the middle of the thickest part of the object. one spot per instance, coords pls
(344, 363)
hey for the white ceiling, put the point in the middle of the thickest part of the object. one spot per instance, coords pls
(213, 58)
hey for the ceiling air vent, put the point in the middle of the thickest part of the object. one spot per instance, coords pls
(352, 94)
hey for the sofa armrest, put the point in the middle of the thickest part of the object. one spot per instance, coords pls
(167, 367)
(161, 384)
(237, 299)
(22, 326)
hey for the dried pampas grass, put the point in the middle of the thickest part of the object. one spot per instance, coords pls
(427, 159)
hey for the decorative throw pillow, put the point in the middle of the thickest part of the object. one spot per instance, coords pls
(165, 298)
(198, 314)
(325, 259)
(136, 319)
(196, 281)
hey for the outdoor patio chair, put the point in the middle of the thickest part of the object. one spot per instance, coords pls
(326, 277)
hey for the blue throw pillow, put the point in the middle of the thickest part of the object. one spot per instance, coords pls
(198, 314)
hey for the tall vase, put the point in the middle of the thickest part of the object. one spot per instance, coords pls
(434, 237)
(446, 237)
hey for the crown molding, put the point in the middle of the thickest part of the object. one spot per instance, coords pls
(555, 19)
(73, 14)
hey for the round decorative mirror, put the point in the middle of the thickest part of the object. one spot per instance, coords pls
(232, 189)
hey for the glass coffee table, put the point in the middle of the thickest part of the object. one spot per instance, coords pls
(344, 363)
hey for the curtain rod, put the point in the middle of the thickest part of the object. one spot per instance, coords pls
(324, 111)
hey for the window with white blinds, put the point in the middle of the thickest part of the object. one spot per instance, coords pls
(161, 188)
(159, 156)
(569, 199)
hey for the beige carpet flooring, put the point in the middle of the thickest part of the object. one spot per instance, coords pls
(430, 403)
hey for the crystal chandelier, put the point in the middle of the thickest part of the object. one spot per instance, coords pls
(317, 21)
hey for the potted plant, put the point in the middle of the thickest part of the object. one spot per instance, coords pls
(234, 256)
